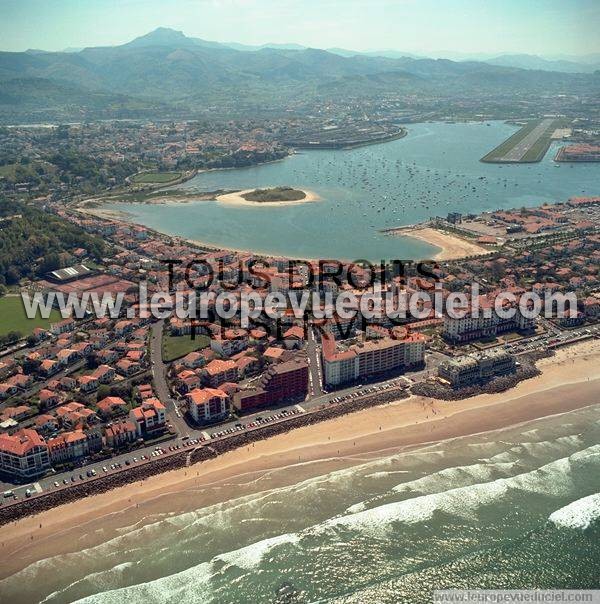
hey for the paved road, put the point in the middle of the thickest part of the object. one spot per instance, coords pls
(520, 149)
(314, 365)
(159, 373)
(433, 359)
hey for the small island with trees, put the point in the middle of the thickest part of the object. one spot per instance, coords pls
(274, 194)
(268, 197)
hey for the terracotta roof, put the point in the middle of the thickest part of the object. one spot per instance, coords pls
(217, 366)
(107, 404)
(21, 442)
(201, 396)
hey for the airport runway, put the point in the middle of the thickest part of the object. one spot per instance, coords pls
(520, 149)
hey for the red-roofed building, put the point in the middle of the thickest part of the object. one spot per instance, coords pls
(218, 371)
(48, 398)
(128, 368)
(7, 390)
(207, 404)
(71, 446)
(66, 356)
(273, 354)
(87, 383)
(104, 374)
(187, 380)
(21, 381)
(46, 423)
(120, 433)
(24, 454)
(17, 413)
(247, 365)
(583, 201)
(193, 360)
(591, 306)
(49, 367)
(75, 414)
(294, 337)
(8, 367)
(62, 326)
(111, 405)
(145, 391)
(149, 418)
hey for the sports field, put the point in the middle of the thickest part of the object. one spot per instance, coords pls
(155, 177)
(175, 347)
(13, 318)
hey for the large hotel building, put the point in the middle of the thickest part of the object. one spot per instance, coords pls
(476, 368)
(486, 323)
(282, 382)
(342, 364)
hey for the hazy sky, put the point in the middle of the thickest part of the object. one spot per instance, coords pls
(548, 27)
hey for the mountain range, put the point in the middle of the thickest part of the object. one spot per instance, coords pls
(585, 64)
(166, 69)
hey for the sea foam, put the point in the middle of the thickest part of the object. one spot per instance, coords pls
(579, 514)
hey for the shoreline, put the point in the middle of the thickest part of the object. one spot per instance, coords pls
(127, 219)
(569, 381)
(236, 198)
(218, 248)
(348, 145)
(451, 246)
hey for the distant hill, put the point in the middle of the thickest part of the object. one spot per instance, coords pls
(250, 48)
(535, 62)
(164, 36)
(169, 71)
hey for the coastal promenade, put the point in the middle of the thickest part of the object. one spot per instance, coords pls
(316, 408)
(568, 381)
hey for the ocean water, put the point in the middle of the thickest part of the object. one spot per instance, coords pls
(515, 508)
(433, 170)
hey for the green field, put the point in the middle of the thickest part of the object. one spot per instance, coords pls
(175, 347)
(155, 177)
(13, 318)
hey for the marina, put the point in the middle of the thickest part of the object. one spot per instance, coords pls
(434, 170)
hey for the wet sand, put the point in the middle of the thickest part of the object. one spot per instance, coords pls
(570, 380)
(451, 246)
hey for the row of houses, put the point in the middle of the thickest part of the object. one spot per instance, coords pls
(26, 453)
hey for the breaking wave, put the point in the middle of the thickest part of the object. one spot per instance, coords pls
(580, 514)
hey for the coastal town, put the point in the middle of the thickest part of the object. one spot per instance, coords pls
(86, 401)
(299, 301)
(48, 163)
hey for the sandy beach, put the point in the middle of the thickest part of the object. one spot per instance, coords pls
(237, 198)
(95, 206)
(569, 381)
(104, 214)
(451, 246)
